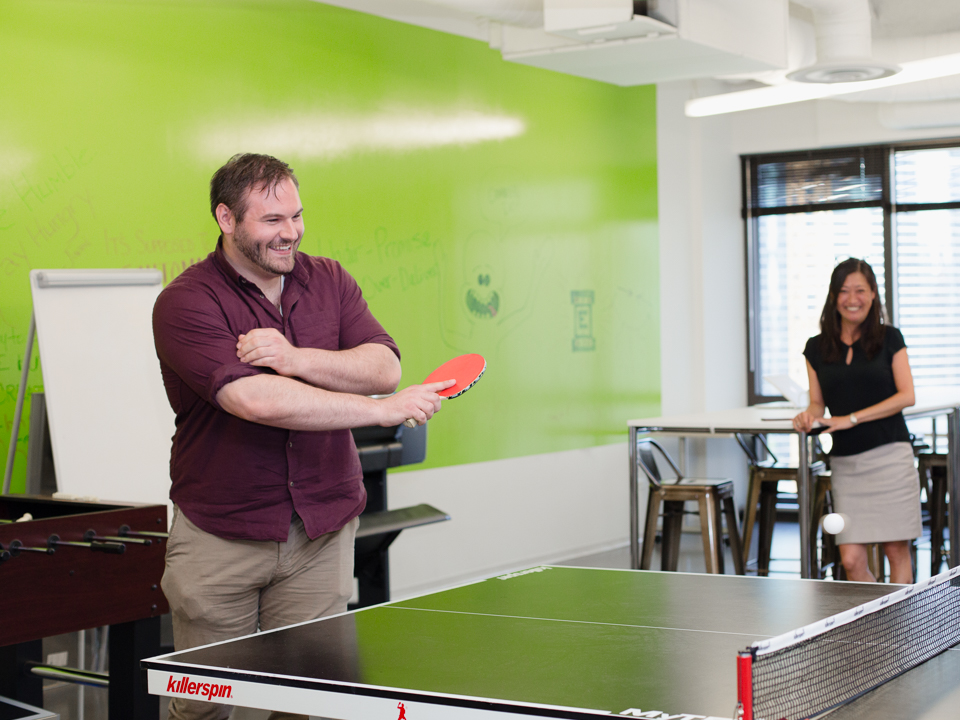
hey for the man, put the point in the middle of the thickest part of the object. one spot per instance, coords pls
(268, 357)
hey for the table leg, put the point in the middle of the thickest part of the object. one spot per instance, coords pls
(953, 483)
(682, 454)
(15, 682)
(130, 643)
(803, 498)
(634, 502)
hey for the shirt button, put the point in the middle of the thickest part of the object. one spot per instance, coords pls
(291, 483)
(291, 443)
(261, 297)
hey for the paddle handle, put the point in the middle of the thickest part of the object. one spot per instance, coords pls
(410, 423)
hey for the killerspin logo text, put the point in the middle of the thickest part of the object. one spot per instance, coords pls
(204, 690)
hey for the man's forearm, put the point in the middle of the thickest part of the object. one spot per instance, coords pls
(370, 369)
(288, 403)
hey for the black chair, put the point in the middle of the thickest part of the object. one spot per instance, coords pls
(714, 497)
(766, 472)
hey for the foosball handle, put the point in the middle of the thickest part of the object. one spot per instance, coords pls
(95, 545)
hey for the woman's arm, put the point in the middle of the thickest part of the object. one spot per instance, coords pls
(814, 412)
(902, 398)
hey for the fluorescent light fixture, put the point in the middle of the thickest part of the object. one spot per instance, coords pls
(326, 136)
(84, 278)
(791, 92)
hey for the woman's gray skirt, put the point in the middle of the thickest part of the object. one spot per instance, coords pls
(879, 492)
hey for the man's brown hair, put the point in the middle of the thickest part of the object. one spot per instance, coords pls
(243, 172)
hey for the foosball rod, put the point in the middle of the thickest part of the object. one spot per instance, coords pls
(90, 535)
(125, 532)
(68, 674)
(17, 547)
(106, 547)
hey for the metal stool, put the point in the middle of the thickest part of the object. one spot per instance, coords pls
(933, 479)
(762, 495)
(829, 551)
(710, 496)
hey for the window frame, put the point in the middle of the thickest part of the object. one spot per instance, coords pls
(751, 215)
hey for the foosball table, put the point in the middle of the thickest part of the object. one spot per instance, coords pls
(70, 565)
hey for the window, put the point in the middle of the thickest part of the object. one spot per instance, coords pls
(898, 207)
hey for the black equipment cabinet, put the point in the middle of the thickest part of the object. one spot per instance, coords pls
(381, 448)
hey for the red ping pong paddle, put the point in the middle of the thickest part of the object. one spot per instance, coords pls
(465, 369)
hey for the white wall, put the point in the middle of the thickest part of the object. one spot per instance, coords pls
(703, 344)
(509, 514)
(516, 513)
(702, 278)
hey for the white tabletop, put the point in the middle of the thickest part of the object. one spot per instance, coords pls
(777, 417)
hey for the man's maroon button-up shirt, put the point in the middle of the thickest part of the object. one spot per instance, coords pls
(238, 479)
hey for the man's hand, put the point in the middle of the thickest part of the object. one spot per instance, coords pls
(267, 347)
(419, 402)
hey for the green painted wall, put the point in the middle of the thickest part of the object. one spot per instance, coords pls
(483, 206)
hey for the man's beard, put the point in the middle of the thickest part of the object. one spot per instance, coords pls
(258, 254)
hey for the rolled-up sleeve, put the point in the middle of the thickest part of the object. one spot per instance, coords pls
(358, 326)
(194, 341)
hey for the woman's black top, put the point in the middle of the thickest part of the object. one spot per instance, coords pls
(862, 383)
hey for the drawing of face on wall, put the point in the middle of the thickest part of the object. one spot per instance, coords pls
(482, 297)
(491, 273)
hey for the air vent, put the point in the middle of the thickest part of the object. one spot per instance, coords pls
(614, 20)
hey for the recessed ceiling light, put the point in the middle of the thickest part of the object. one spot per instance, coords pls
(791, 92)
(847, 71)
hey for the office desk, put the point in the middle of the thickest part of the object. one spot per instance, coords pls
(777, 418)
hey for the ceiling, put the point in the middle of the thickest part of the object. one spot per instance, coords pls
(902, 18)
(735, 41)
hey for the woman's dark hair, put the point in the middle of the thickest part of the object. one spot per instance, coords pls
(244, 172)
(871, 329)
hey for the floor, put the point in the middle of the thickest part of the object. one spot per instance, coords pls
(785, 554)
(66, 699)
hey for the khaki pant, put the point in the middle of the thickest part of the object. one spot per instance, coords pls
(222, 589)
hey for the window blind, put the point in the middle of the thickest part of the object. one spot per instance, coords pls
(800, 180)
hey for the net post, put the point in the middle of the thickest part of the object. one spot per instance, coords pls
(745, 685)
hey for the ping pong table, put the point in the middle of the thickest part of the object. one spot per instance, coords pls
(547, 642)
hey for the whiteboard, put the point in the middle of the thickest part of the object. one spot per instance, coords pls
(110, 422)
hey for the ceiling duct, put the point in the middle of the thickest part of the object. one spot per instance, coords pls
(844, 51)
(520, 13)
(609, 19)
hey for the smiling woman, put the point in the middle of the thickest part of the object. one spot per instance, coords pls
(859, 370)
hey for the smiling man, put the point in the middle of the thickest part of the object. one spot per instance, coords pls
(268, 357)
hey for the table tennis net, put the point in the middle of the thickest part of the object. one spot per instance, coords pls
(815, 668)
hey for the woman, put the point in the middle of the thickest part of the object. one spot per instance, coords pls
(858, 368)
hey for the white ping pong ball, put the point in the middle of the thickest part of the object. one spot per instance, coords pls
(833, 523)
